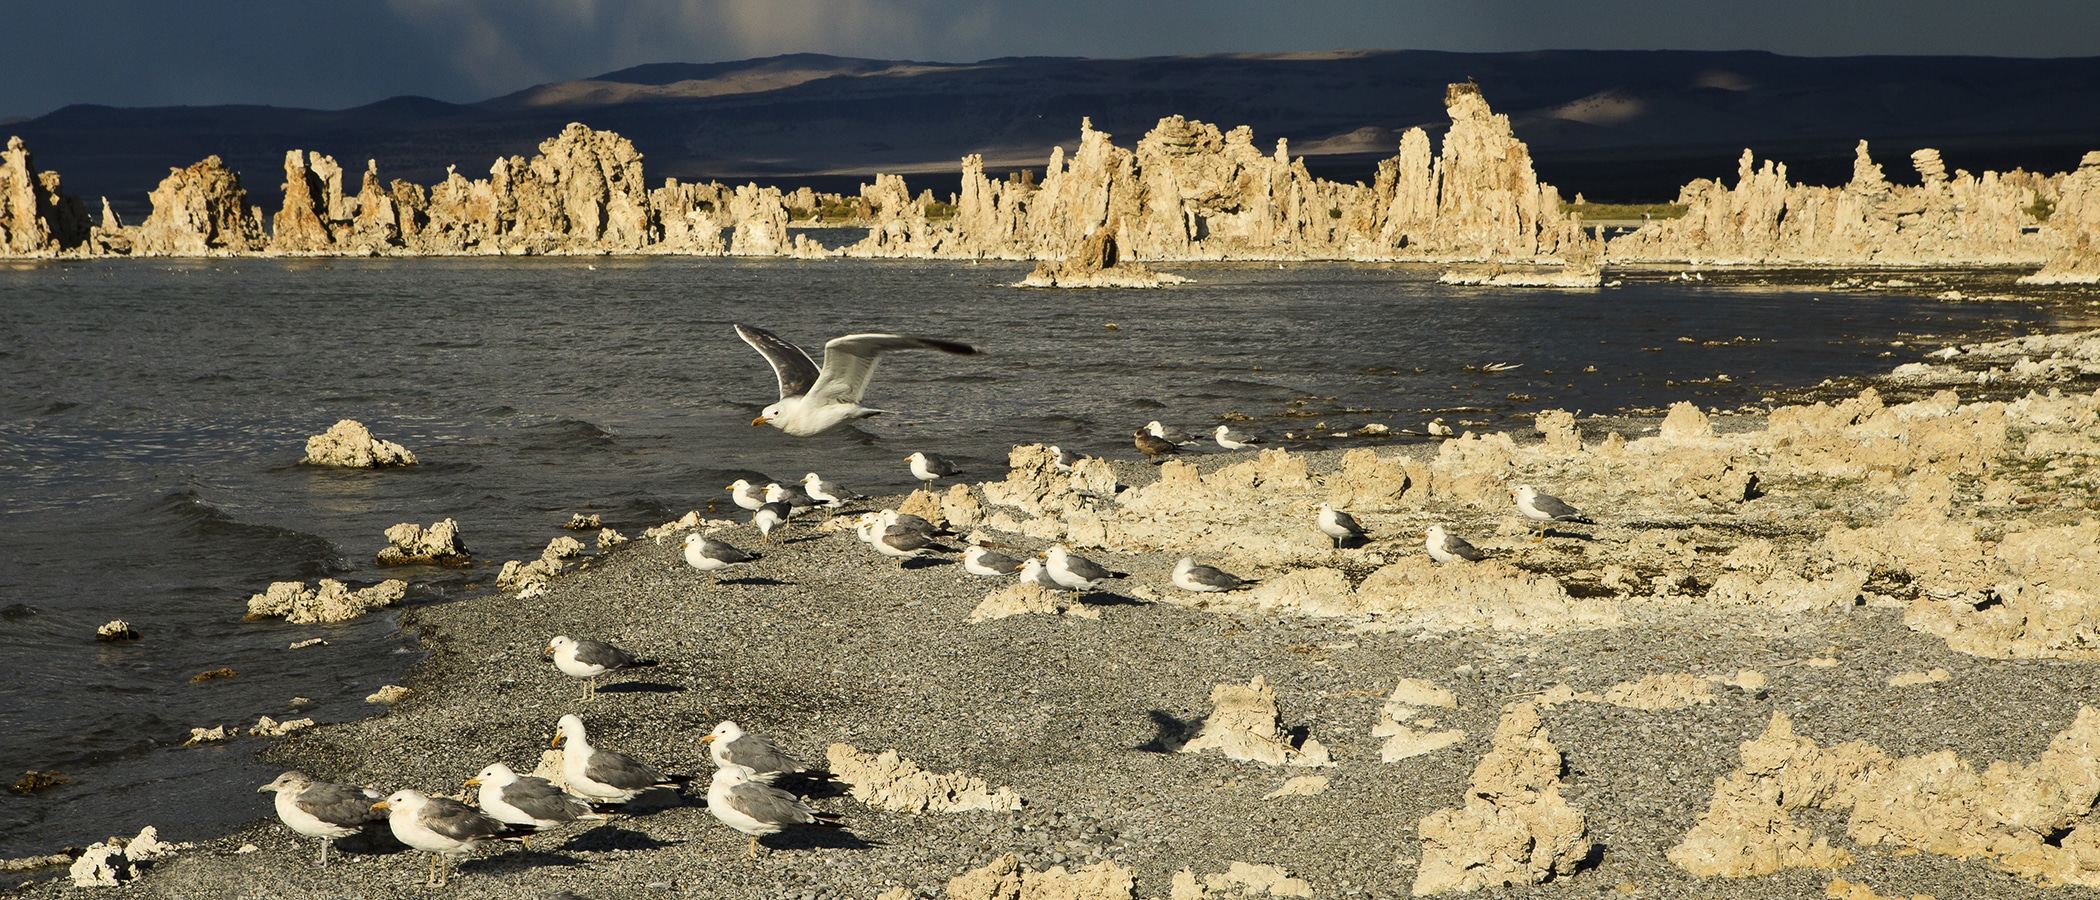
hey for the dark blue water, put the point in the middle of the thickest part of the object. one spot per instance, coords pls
(153, 414)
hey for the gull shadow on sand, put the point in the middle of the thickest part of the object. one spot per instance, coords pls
(518, 861)
(925, 562)
(1170, 733)
(1104, 598)
(756, 581)
(812, 785)
(612, 837)
(816, 838)
(641, 687)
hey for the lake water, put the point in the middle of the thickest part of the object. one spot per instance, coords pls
(154, 413)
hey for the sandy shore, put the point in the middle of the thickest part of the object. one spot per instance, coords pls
(1880, 539)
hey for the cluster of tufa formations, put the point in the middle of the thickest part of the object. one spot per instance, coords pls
(1189, 191)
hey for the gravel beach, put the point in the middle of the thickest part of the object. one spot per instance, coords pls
(823, 642)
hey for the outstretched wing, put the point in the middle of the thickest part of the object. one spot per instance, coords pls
(795, 370)
(850, 361)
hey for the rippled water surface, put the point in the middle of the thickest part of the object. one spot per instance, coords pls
(153, 414)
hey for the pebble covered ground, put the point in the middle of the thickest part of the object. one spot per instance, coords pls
(825, 641)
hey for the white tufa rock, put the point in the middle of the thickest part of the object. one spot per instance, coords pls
(1243, 724)
(348, 443)
(889, 781)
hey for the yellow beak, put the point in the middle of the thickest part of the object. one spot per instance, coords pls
(557, 739)
(708, 739)
(761, 420)
(382, 805)
(471, 782)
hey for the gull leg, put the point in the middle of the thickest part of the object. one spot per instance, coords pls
(324, 853)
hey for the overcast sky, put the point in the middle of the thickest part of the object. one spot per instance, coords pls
(344, 53)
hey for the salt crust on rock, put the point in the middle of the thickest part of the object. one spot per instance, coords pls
(408, 543)
(889, 781)
(1023, 598)
(1243, 724)
(1400, 721)
(115, 861)
(532, 577)
(348, 443)
(1515, 829)
(329, 601)
(1239, 879)
(2034, 821)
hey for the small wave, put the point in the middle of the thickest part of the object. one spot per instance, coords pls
(566, 434)
(244, 550)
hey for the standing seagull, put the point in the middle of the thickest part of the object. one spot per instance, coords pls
(793, 495)
(813, 400)
(439, 826)
(1545, 509)
(730, 745)
(746, 494)
(828, 494)
(1340, 526)
(1443, 546)
(320, 809)
(600, 775)
(1234, 440)
(526, 801)
(1154, 446)
(710, 555)
(590, 659)
(1189, 576)
(770, 516)
(979, 561)
(1076, 573)
(930, 468)
(756, 808)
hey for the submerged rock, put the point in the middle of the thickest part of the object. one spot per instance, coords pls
(328, 601)
(410, 543)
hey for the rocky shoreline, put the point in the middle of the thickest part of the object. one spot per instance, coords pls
(1842, 648)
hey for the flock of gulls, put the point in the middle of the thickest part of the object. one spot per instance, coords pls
(748, 791)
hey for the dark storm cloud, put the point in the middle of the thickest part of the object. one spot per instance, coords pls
(338, 54)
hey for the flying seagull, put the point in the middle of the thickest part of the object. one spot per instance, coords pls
(320, 809)
(813, 400)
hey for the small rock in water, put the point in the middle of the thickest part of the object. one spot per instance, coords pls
(311, 642)
(210, 735)
(34, 780)
(388, 694)
(214, 673)
(581, 522)
(117, 630)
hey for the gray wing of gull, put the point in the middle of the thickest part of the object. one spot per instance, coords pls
(999, 561)
(849, 362)
(1554, 506)
(759, 755)
(540, 799)
(1087, 569)
(722, 551)
(458, 821)
(1462, 548)
(339, 804)
(792, 367)
(1215, 577)
(904, 537)
(1347, 522)
(769, 804)
(915, 523)
(599, 653)
(620, 770)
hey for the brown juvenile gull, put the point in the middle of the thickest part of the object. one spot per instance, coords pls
(770, 516)
(589, 659)
(1339, 526)
(1076, 573)
(755, 808)
(746, 494)
(1231, 439)
(828, 494)
(441, 827)
(1153, 446)
(600, 775)
(1545, 509)
(710, 555)
(813, 400)
(730, 745)
(979, 561)
(1189, 576)
(1443, 546)
(526, 801)
(930, 468)
(321, 809)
